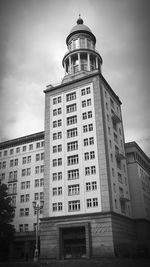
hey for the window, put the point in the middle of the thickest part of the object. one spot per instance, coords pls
(17, 149)
(119, 177)
(59, 123)
(54, 162)
(28, 171)
(54, 112)
(83, 92)
(88, 90)
(85, 141)
(54, 149)
(41, 196)
(94, 185)
(26, 227)
(59, 99)
(88, 102)
(54, 100)
(73, 174)
(22, 198)
(111, 102)
(54, 206)
(92, 155)
(36, 196)
(90, 127)
(28, 184)
(55, 176)
(20, 228)
(11, 163)
(37, 169)
(41, 182)
(71, 108)
(16, 162)
(59, 190)
(59, 206)
(27, 197)
(85, 128)
(86, 156)
(59, 135)
(72, 133)
(73, 189)
(38, 145)
(59, 161)
(59, 111)
(71, 160)
(11, 151)
(21, 212)
(54, 124)
(84, 116)
(89, 203)
(71, 96)
(92, 202)
(74, 205)
(26, 211)
(22, 185)
(72, 146)
(37, 156)
(71, 120)
(91, 140)
(42, 168)
(36, 183)
(88, 186)
(59, 175)
(42, 156)
(93, 169)
(83, 104)
(23, 172)
(59, 148)
(29, 159)
(90, 170)
(24, 148)
(31, 147)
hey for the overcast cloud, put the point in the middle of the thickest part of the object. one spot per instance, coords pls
(32, 45)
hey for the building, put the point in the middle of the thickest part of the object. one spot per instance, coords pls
(84, 179)
(22, 169)
(86, 189)
(139, 181)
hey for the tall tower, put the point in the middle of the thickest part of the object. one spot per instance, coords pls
(86, 187)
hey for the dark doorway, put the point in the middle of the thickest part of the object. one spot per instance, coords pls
(73, 243)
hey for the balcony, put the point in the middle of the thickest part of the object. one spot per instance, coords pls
(124, 199)
(119, 155)
(115, 118)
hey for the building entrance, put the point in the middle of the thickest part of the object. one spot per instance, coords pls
(73, 243)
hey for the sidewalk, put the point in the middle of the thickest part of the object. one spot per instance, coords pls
(119, 262)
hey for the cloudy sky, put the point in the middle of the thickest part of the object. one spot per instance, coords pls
(32, 45)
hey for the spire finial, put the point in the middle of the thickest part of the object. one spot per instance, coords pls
(79, 20)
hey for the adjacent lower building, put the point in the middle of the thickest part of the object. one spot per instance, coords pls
(79, 166)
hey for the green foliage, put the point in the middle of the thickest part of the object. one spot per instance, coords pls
(6, 217)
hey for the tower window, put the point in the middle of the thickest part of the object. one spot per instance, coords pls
(73, 160)
(71, 96)
(74, 205)
(71, 120)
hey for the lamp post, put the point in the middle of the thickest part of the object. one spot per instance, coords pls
(37, 205)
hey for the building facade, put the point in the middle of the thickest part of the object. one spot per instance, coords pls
(22, 169)
(80, 166)
(86, 186)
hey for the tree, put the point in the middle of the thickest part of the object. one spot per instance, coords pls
(6, 217)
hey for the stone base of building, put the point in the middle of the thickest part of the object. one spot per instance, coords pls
(87, 236)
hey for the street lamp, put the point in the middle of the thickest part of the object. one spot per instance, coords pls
(37, 205)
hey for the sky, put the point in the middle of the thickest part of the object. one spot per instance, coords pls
(33, 42)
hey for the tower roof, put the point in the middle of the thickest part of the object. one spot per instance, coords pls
(80, 27)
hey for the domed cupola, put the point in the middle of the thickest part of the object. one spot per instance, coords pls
(81, 55)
